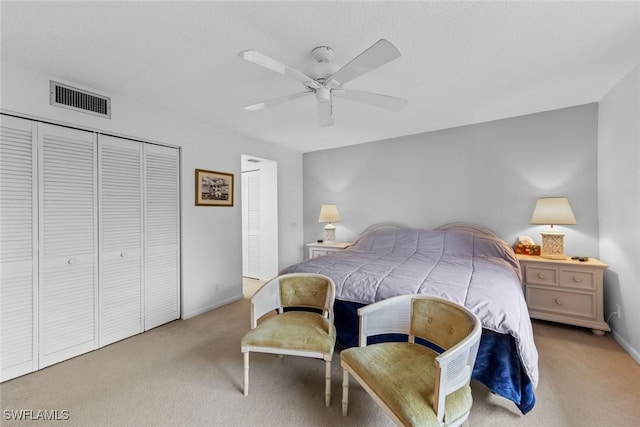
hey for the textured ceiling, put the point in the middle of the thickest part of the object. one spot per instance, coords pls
(462, 62)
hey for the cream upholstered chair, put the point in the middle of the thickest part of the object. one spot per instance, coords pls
(294, 332)
(415, 385)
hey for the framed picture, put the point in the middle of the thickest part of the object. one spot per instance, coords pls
(214, 188)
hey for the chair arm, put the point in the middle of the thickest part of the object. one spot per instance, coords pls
(456, 363)
(264, 300)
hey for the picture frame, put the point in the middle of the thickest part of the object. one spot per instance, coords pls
(214, 188)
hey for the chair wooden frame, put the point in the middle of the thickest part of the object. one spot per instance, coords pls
(453, 367)
(268, 299)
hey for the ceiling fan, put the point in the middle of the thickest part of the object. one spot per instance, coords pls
(325, 79)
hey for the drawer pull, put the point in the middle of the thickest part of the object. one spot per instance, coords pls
(577, 279)
(71, 261)
(123, 254)
(540, 276)
(559, 301)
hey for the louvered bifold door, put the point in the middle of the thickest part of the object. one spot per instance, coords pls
(18, 248)
(68, 243)
(120, 207)
(162, 235)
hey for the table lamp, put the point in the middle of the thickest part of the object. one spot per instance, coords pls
(553, 211)
(329, 214)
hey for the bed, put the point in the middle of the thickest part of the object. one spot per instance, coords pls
(462, 262)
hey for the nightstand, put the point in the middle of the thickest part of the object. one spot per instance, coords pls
(566, 291)
(319, 249)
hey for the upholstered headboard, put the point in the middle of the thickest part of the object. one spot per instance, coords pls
(464, 227)
(380, 226)
(468, 227)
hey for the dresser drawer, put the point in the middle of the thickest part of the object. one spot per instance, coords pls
(541, 275)
(581, 279)
(561, 302)
(318, 252)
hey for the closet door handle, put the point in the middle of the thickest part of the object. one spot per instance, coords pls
(71, 261)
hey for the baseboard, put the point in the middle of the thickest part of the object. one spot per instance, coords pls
(213, 306)
(635, 355)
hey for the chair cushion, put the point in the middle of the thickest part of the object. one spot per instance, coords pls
(402, 374)
(294, 330)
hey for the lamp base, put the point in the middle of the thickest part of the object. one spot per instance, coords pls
(553, 245)
(329, 233)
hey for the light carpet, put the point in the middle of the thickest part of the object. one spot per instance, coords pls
(189, 373)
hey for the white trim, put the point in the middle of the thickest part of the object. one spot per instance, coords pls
(210, 307)
(635, 355)
(82, 127)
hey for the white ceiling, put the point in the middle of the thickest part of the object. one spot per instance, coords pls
(462, 62)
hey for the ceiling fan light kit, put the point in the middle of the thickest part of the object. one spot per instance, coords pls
(325, 79)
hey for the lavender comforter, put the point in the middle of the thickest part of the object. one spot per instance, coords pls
(473, 270)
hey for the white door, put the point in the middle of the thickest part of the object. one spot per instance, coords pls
(162, 235)
(251, 230)
(68, 243)
(120, 237)
(259, 218)
(18, 247)
(269, 220)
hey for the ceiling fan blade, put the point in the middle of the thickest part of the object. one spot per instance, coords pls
(375, 99)
(264, 104)
(380, 53)
(280, 68)
(325, 107)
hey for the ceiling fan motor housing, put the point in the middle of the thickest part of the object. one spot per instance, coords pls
(322, 67)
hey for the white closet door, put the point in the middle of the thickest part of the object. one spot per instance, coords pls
(18, 247)
(162, 235)
(68, 243)
(120, 237)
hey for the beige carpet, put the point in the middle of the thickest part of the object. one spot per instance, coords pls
(189, 373)
(249, 286)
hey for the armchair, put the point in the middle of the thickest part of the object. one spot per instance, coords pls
(309, 332)
(416, 384)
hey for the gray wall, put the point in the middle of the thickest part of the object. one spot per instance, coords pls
(619, 207)
(489, 173)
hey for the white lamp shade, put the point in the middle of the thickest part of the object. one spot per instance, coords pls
(553, 210)
(329, 213)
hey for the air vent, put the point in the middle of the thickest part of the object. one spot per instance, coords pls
(79, 100)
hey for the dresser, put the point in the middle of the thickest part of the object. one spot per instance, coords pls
(566, 291)
(319, 249)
